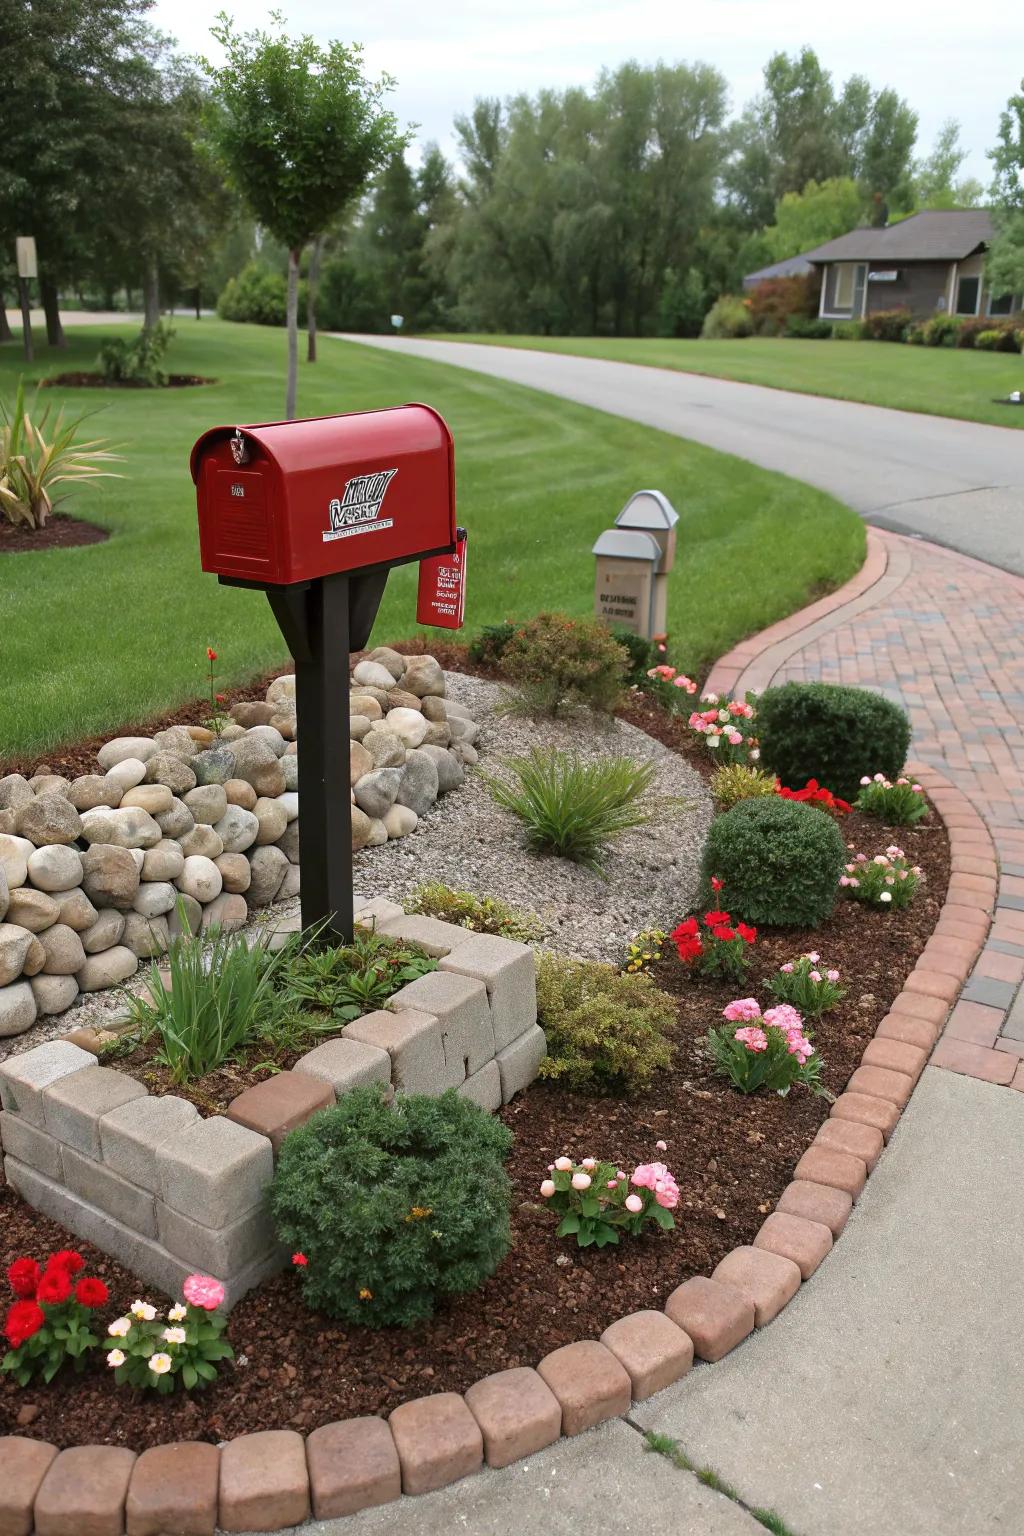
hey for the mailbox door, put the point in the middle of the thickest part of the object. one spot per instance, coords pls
(239, 533)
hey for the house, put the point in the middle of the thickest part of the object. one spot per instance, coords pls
(793, 266)
(931, 263)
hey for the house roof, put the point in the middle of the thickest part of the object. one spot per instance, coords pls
(793, 266)
(935, 235)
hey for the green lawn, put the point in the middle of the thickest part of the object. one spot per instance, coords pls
(93, 639)
(937, 380)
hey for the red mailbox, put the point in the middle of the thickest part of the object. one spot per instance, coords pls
(316, 513)
(294, 500)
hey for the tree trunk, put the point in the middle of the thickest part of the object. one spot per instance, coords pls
(6, 334)
(199, 292)
(151, 295)
(51, 308)
(314, 278)
(293, 333)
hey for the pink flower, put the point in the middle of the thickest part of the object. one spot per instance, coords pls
(634, 1203)
(589, 1163)
(547, 1188)
(787, 969)
(203, 1291)
(734, 738)
(917, 789)
(813, 956)
(647, 1175)
(666, 1193)
(832, 975)
(581, 1181)
(563, 1164)
(662, 1146)
(754, 1039)
(613, 1184)
(784, 1017)
(814, 975)
(745, 1008)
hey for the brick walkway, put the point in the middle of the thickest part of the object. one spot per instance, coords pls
(942, 635)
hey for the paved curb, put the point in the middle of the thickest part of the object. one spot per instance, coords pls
(436, 1440)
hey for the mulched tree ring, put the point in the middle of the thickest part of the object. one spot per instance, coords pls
(100, 381)
(58, 532)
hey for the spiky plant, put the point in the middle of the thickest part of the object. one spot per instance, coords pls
(38, 455)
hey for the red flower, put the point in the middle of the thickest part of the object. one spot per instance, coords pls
(688, 948)
(91, 1292)
(746, 933)
(724, 935)
(211, 654)
(54, 1287)
(67, 1259)
(716, 884)
(300, 1259)
(23, 1277)
(687, 929)
(23, 1320)
(220, 697)
(716, 919)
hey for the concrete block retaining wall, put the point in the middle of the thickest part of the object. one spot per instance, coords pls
(166, 1192)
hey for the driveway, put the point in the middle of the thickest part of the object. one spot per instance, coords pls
(956, 482)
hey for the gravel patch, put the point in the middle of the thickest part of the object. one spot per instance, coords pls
(470, 843)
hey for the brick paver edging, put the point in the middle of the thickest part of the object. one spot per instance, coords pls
(274, 1479)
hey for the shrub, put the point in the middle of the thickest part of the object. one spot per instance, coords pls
(848, 330)
(834, 734)
(488, 647)
(598, 1201)
(886, 325)
(481, 914)
(780, 862)
(137, 361)
(727, 728)
(727, 319)
(808, 989)
(773, 303)
(222, 995)
(148, 1349)
(392, 1208)
(734, 782)
(899, 805)
(915, 334)
(257, 296)
(941, 330)
(641, 653)
(714, 946)
(808, 328)
(50, 1324)
(38, 458)
(606, 1031)
(887, 880)
(556, 661)
(573, 807)
(766, 1051)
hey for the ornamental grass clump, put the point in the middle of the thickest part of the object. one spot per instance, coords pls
(390, 1209)
(834, 734)
(50, 1323)
(571, 806)
(480, 914)
(898, 805)
(182, 1347)
(607, 1032)
(887, 880)
(804, 983)
(779, 862)
(560, 664)
(769, 1050)
(734, 782)
(599, 1202)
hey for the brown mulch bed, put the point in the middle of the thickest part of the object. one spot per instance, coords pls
(732, 1156)
(58, 532)
(100, 381)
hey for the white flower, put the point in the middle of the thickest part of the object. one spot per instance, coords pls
(723, 715)
(865, 780)
(177, 1313)
(160, 1364)
(713, 741)
(174, 1335)
(711, 698)
(116, 1357)
(143, 1311)
(120, 1327)
(755, 755)
(880, 778)
(885, 896)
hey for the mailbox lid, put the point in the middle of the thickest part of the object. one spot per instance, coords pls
(342, 492)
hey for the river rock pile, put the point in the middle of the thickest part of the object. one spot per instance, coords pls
(92, 870)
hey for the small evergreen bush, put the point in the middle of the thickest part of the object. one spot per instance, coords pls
(139, 360)
(489, 646)
(607, 1030)
(257, 296)
(887, 325)
(780, 862)
(728, 319)
(641, 654)
(836, 735)
(734, 782)
(557, 662)
(808, 328)
(394, 1208)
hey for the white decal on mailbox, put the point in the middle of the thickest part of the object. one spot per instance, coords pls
(357, 510)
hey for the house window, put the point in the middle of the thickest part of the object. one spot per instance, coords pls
(967, 292)
(844, 287)
(1001, 306)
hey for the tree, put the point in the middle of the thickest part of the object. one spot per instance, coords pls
(935, 178)
(820, 212)
(1006, 258)
(884, 168)
(300, 131)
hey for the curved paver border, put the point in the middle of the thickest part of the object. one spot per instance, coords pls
(269, 1479)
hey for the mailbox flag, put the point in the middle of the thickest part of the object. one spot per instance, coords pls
(442, 594)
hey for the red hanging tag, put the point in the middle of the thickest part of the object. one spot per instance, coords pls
(442, 594)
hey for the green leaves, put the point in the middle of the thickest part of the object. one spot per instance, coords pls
(571, 806)
(607, 1032)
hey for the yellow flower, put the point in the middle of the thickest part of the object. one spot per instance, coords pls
(365, 1295)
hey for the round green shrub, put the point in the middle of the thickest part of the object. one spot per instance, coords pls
(607, 1030)
(394, 1208)
(833, 734)
(556, 661)
(780, 863)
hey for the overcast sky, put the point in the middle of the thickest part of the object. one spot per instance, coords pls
(948, 60)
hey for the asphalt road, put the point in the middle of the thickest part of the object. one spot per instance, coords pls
(957, 482)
